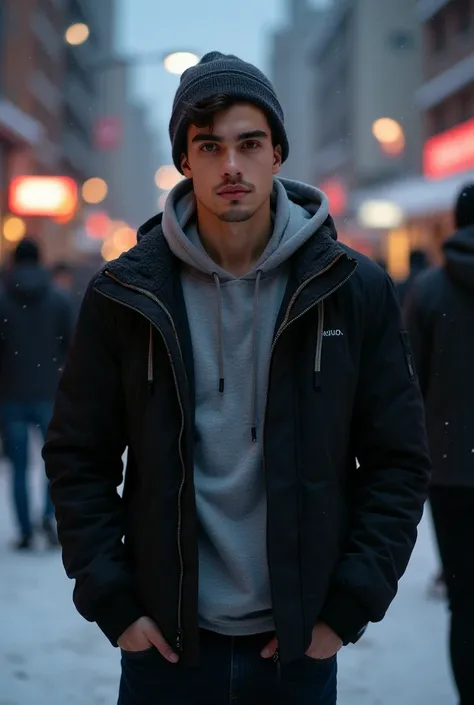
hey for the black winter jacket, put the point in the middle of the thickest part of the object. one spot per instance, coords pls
(341, 387)
(35, 331)
(440, 318)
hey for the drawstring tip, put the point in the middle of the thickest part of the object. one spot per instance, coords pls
(221, 385)
(254, 434)
(317, 381)
(150, 387)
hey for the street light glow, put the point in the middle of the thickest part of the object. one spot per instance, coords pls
(77, 34)
(387, 131)
(14, 229)
(167, 177)
(94, 190)
(179, 61)
(383, 215)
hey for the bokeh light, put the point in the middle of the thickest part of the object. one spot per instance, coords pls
(179, 61)
(14, 229)
(77, 34)
(94, 190)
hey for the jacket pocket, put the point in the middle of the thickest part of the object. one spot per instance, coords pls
(408, 355)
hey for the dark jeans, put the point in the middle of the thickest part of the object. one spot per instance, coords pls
(15, 420)
(231, 672)
(453, 516)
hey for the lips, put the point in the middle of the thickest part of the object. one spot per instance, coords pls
(234, 192)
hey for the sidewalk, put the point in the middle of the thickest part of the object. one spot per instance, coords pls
(51, 656)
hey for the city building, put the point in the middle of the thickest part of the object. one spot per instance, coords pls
(128, 148)
(368, 69)
(49, 96)
(445, 99)
(292, 72)
(31, 75)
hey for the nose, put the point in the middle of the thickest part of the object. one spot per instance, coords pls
(231, 168)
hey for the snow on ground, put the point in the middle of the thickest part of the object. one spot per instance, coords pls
(50, 656)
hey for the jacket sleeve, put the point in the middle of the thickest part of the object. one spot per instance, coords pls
(389, 487)
(419, 328)
(83, 457)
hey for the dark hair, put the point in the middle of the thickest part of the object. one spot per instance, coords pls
(464, 210)
(203, 113)
(27, 252)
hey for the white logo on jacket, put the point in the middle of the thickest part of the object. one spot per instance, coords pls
(333, 333)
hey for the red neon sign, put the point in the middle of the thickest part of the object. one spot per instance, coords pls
(47, 196)
(451, 152)
(337, 196)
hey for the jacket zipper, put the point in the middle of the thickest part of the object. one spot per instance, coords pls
(180, 632)
(285, 324)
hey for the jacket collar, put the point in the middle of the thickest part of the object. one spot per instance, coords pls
(151, 265)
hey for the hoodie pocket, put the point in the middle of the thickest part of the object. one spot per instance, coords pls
(408, 355)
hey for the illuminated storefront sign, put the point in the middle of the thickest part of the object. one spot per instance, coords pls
(451, 152)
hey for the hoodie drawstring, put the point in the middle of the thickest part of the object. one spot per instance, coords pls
(254, 347)
(150, 360)
(319, 348)
(217, 282)
(255, 355)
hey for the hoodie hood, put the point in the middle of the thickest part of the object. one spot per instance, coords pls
(27, 282)
(459, 255)
(298, 211)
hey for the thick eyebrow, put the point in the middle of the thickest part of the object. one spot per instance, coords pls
(210, 137)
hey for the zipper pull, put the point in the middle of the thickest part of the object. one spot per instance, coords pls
(276, 656)
(180, 640)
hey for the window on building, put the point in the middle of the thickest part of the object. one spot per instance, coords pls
(438, 120)
(438, 32)
(463, 10)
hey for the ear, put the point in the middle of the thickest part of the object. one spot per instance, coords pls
(277, 159)
(185, 167)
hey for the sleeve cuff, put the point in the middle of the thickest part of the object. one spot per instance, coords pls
(117, 614)
(345, 616)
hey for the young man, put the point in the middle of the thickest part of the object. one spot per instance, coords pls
(246, 359)
(35, 328)
(441, 322)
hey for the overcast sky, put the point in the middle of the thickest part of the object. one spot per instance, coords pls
(241, 28)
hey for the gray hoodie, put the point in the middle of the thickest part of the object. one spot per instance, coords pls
(232, 321)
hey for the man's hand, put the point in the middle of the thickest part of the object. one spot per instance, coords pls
(325, 644)
(144, 634)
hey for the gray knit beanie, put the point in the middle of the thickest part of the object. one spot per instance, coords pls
(224, 73)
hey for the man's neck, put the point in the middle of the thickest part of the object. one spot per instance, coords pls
(235, 247)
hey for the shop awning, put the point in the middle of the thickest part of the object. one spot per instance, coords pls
(416, 196)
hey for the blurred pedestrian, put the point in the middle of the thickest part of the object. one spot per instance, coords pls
(246, 359)
(441, 323)
(34, 333)
(62, 275)
(418, 264)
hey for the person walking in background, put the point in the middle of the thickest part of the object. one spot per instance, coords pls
(246, 359)
(35, 325)
(63, 276)
(418, 264)
(440, 315)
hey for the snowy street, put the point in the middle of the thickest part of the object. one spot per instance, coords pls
(50, 656)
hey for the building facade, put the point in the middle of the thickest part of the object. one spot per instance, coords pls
(292, 73)
(368, 68)
(445, 100)
(49, 103)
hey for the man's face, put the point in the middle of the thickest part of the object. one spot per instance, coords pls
(232, 163)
